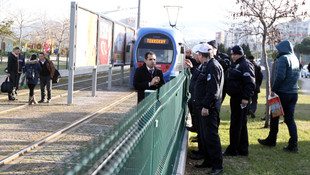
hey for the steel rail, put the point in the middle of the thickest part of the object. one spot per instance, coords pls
(61, 131)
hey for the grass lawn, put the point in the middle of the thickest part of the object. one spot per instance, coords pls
(262, 159)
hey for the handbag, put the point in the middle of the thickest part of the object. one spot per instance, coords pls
(275, 106)
(56, 77)
(7, 86)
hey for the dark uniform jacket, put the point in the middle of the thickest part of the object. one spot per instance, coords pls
(195, 73)
(194, 62)
(224, 60)
(241, 79)
(142, 78)
(209, 85)
(258, 77)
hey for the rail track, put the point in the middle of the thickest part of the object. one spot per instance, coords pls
(71, 128)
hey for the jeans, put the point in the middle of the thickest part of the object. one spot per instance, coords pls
(288, 102)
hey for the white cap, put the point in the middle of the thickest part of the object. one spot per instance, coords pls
(195, 48)
(205, 48)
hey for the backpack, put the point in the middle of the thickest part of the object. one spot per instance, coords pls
(30, 74)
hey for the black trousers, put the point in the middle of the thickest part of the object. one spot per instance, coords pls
(253, 102)
(31, 89)
(191, 108)
(46, 81)
(14, 78)
(238, 131)
(210, 139)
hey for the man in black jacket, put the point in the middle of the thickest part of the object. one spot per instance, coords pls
(240, 87)
(258, 82)
(16, 64)
(223, 59)
(148, 76)
(208, 96)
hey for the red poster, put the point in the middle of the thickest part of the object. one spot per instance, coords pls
(105, 41)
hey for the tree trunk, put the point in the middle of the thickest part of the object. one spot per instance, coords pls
(264, 55)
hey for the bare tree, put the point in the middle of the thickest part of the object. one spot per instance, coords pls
(61, 31)
(5, 31)
(263, 15)
(22, 20)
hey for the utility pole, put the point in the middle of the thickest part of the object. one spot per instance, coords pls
(139, 13)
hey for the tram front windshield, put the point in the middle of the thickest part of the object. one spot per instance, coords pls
(160, 44)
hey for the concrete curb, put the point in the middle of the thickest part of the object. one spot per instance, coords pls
(181, 163)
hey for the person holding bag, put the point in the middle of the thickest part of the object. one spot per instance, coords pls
(32, 69)
(13, 71)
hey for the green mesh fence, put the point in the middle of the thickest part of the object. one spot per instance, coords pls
(146, 141)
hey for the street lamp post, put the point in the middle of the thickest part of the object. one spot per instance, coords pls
(173, 13)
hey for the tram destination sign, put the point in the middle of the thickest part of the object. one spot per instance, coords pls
(156, 41)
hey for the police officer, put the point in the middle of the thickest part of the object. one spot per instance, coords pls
(258, 82)
(195, 70)
(240, 87)
(208, 96)
(193, 64)
(223, 59)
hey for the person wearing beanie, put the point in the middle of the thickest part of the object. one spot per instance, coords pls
(240, 87)
(32, 69)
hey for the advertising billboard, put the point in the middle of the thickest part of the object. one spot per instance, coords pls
(86, 38)
(130, 37)
(119, 44)
(105, 41)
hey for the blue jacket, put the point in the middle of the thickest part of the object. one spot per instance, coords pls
(33, 66)
(286, 70)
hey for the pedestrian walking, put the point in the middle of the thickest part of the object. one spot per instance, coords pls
(32, 70)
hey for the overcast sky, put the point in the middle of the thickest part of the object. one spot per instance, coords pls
(198, 19)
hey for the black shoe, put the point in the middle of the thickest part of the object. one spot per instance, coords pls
(266, 143)
(291, 149)
(196, 157)
(13, 99)
(264, 118)
(252, 114)
(191, 129)
(41, 101)
(216, 171)
(203, 165)
(228, 154)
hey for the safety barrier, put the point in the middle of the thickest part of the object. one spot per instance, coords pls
(146, 141)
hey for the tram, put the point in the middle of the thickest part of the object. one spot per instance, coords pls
(168, 45)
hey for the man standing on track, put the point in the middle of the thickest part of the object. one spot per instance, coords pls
(148, 76)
